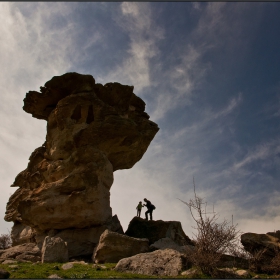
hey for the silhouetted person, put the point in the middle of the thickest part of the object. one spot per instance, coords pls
(150, 207)
(139, 208)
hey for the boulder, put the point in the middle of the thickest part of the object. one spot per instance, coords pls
(113, 246)
(81, 242)
(226, 273)
(243, 273)
(26, 257)
(155, 230)
(21, 234)
(254, 242)
(168, 243)
(70, 265)
(23, 252)
(9, 262)
(67, 266)
(232, 273)
(92, 130)
(166, 262)
(54, 276)
(54, 250)
(192, 272)
(4, 274)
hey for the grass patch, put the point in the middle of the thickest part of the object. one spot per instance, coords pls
(80, 271)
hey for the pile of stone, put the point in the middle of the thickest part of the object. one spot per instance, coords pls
(142, 236)
(167, 256)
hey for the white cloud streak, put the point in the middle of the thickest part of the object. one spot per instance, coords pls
(32, 52)
(213, 30)
(261, 152)
(136, 20)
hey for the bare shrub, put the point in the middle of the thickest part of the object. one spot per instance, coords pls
(274, 266)
(213, 239)
(257, 259)
(5, 241)
(261, 263)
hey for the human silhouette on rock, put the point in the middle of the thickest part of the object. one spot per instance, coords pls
(139, 208)
(150, 207)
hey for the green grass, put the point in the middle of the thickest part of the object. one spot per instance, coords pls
(80, 271)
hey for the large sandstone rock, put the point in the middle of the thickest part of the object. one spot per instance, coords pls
(155, 230)
(23, 252)
(21, 234)
(81, 242)
(166, 262)
(54, 250)
(4, 274)
(113, 246)
(92, 130)
(254, 242)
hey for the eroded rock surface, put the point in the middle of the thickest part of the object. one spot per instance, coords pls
(92, 130)
(166, 262)
(21, 234)
(81, 242)
(23, 252)
(156, 230)
(268, 243)
(113, 246)
(54, 250)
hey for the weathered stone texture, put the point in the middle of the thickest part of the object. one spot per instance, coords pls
(92, 130)
(54, 249)
(23, 252)
(21, 234)
(166, 262)
(81, 242)
(254, 242)
(155, 230)
(113, 246)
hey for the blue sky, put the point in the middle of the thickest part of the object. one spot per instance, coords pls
(209, 74)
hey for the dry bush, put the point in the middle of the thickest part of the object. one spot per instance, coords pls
(5, 241)
(257, 260)
(213, 239)
(274, 266)
(260, 263)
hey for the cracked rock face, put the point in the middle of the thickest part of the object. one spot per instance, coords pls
(92, 130)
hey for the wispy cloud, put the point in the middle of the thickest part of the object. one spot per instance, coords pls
(137, 20)
(208, 117)
(32, 51)
(187, 76)
(261, 152)
(219, 28)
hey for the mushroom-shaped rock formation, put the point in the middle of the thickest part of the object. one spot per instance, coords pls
(92, 130)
